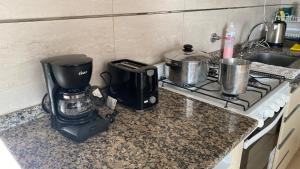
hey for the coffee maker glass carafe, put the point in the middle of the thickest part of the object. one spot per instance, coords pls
(74, 104)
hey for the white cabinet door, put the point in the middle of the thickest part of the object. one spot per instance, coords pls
(289, 137)
(233, 159)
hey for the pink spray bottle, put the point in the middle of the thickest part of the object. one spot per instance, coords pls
(229, 41)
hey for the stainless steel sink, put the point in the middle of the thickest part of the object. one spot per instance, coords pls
(273, 59)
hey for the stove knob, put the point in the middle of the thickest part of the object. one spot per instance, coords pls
(263, 115)
(269, 112)
(152, 99)
(275, 107)
(280, 102)
(260, 114)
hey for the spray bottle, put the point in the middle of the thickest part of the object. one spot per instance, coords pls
(229, 41)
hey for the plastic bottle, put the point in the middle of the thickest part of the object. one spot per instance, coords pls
(229, 41)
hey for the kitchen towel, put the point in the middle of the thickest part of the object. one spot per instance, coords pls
(288, 73)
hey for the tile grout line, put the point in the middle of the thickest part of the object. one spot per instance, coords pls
(5, 21)
(182, 33)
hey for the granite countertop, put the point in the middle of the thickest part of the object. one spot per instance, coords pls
(179, 133)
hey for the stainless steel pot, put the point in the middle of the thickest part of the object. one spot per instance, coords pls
(191, 70)
(185, 66)
(234, 75)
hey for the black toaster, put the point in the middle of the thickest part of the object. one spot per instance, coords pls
(134, 84)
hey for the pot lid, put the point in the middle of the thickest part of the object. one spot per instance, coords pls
(186, 54)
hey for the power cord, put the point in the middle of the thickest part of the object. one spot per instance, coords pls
(107, 78)
(44, 106)
(107, 83)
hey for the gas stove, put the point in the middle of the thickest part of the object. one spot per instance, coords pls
(266, 93)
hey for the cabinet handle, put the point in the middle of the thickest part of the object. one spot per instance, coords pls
(293, 111)
(286, 139)
(282, 159)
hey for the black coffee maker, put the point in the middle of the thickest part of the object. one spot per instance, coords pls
(69, 92)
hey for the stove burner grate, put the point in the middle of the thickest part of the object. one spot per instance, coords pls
(198, 90)
(255, 85)
(267, 75)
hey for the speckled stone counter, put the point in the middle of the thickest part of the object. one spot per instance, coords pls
(20, 117)
(179, 133)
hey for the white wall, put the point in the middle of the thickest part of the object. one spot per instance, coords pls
(143, 37)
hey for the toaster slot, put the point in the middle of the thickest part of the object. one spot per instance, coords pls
(130, 64)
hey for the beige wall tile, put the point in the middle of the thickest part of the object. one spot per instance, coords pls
(198, 26)
(243, 23)
(146, 38)
(23, 45)
(204, 4)
(52, 8)
(290, 1)
(133, 6)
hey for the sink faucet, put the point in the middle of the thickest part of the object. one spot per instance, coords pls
(249, 44)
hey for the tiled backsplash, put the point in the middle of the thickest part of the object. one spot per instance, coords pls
(140, 37)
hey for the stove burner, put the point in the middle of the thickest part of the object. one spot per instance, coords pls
(184, 85)
(212, 72)
(230, 97)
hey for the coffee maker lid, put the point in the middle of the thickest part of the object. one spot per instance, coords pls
(68, 60)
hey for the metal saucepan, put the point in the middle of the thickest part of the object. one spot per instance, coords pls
(186, 67)
(234, 75)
